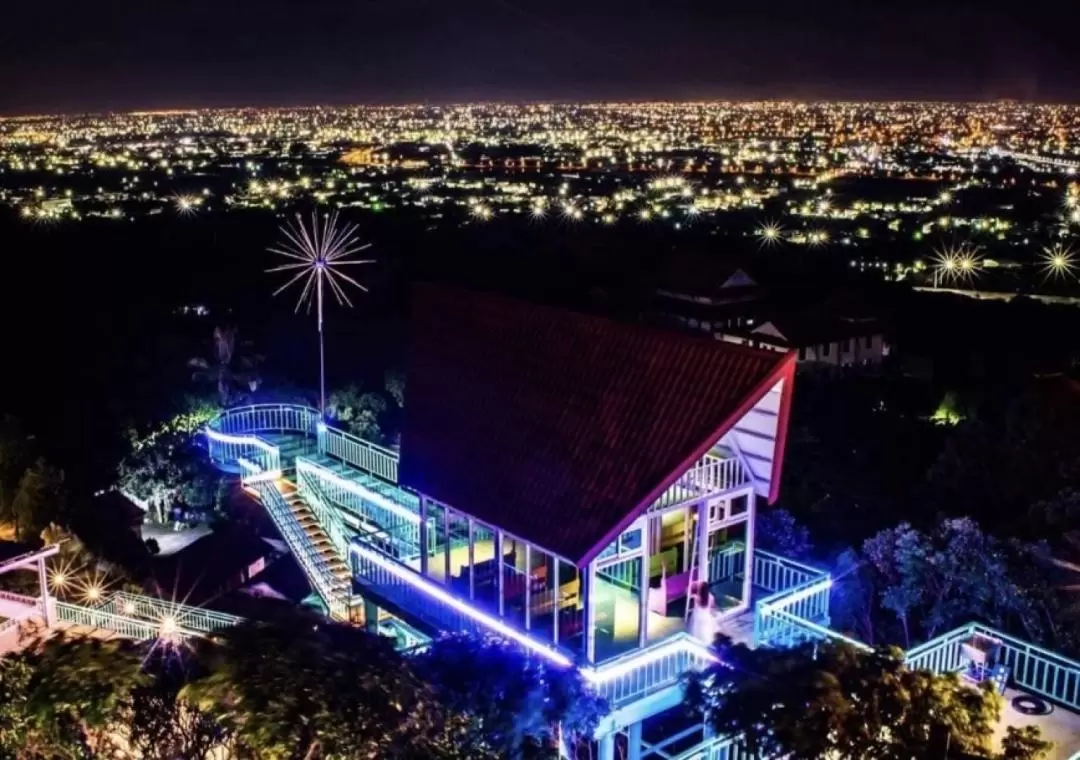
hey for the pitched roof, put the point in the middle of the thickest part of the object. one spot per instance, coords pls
(560, 427)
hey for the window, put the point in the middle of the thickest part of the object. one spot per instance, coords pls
(630, 540)
(826, 348)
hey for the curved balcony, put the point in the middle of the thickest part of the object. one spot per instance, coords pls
(253, 435)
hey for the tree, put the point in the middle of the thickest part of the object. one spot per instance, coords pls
(164, 726)
(828, 699)
(77, 695)
(39, 500)
(778, 531)
(166, 469)
(299, 687)
(359, 413)
(1024, 744)
(518, 706)
(394, 382)
(225, 370)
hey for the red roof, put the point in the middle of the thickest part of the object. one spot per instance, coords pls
(559, 427)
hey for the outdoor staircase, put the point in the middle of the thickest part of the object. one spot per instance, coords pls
(324, 567)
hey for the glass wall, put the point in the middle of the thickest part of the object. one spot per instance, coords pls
(617, 600)
(459, 553)
(485, 568)
(571, 610)
(514, 580)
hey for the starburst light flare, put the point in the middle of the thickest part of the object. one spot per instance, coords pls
(1058, 262)
(770, 233)
(317, 253)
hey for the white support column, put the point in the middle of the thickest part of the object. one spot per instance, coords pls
(472, 558)
(607, 748)
(46, 603)
(555, 600)
(687, 543)
(423, 536)
(588, 587)
(703, 542)
(499, 569)
(528, 586)
(446, 544)
(633, 747)
(748, 573)
(643, 611)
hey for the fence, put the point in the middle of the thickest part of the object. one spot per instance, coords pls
(230, 436)
(1031, 668)
(645, 671)
(800, 591)
(364, 455)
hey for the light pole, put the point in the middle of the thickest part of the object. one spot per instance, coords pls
(318, 253)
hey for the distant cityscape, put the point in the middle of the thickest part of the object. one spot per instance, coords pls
(953, 189)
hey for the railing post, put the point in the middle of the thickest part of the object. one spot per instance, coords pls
(320, 437)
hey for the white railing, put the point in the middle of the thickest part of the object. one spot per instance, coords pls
(334, 593)
(97, 618)
(231, 436)
(642, 672)
(23, 599)
(708, 477)
(157, 611)
(1031, 668)
(405, 588)
(800, 592)
(718, 748)
(728, 562)
(361, 454)
(398, 517)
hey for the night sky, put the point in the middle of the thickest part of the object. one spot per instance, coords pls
(75, 55)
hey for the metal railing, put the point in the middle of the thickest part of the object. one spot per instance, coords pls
(708, 477)
(231, 435)
(728, 562)
(156, 611)
(642, 672)
(91, 617)
(334, 593)
(399, 522)
(390, 580)
(718, 748)
(799, 590)
(1031, 668)
(361, 454)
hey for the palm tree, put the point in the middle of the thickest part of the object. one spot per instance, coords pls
(226, 370)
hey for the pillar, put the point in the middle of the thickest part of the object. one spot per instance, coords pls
(633, 747)
(607, 748)
(472, 558)
(46, 603)
(499, 570)
(748, 574)
(423, 536)
(371, 617)
(643, 611)
(588, 586)
(703, 542)
(528, 586)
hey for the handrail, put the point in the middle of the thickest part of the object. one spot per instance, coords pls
(361, 454)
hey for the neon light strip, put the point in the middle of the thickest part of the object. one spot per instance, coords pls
(214, 435)
(437, 593)
(358, 490)
(682, 642)
(814, 588)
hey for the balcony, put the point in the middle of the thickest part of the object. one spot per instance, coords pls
(710, 476)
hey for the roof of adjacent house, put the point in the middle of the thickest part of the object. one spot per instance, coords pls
(560, 427)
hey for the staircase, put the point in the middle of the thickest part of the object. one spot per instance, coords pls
(309, 543)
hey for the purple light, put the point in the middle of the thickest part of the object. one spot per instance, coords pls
(435, 592)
